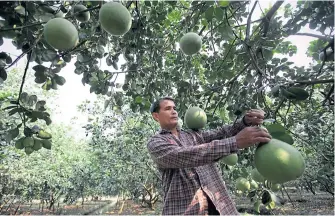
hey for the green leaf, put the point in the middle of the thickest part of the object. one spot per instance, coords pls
(40, 69)
(3, 74)
(218, 13)
(40, 105)
(24, 97)
(41, 79)
(49, 55)
(147, 3)
(284, 137)
(257, 206)
(13, 133)
(226, 32)
(32, 100)
(59, 80)
(138, 99)
(44, 135)
(223, 3)
(209, 13)
(47, 120)
(20, 10)
(67, 58)
(276, 129)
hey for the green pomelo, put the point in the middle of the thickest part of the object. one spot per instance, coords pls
(279, 162)
(242, 184)
(195, 118)
(288, 94)
(190, 43)
(115, 18)
(253, 184)
(275, 187)
(61, 34)
(300, 93)
(230, 160)
(255, 175)
(82, 17)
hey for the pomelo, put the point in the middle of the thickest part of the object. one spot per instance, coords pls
(115, 18)
(230, 160)
(279, 162)
(255, 175)
(242, 184)
(275, 187)
(81, 17)
(190, 43)
(195, 118)
(61, 34)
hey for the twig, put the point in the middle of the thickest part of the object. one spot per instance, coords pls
(325, 38)
(234, 78)
(24, 76)
(222, 22)
(287, 195)
(240, 25)
(212, 36)
(277, 109)
(224, 59)
(312, 82)
(203, 28)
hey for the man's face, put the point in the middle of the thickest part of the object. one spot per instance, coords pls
(167, 115)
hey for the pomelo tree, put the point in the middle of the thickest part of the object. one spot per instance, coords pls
(243, 63)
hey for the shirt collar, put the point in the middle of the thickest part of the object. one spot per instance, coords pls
(164, 131)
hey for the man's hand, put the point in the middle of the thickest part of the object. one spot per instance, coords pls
(252, 135)
(254, 117)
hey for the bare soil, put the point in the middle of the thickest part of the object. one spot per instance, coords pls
(304, 204)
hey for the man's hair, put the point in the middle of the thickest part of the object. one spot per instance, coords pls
(156, 105)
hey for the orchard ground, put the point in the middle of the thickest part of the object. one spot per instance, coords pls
(303, 203)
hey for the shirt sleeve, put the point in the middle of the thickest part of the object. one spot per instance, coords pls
(224, 131)
(167, 155)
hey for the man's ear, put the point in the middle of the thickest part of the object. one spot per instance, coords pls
(155, 116)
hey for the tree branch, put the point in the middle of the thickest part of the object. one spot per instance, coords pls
(240, 25)
(277, 109)
(224, 59)
(247, 32)
(321, 37)
(269, 15)
(312, 82)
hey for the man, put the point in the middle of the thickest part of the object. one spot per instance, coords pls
(186, 160)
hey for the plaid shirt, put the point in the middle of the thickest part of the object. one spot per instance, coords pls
(189, 170)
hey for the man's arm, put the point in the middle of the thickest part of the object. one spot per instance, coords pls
(224, 131)
(167, 155)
